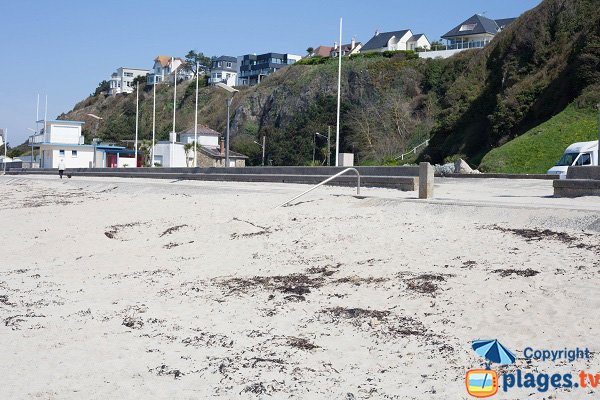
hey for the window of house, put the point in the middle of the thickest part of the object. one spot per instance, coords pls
(61, 153)
(467, 27)
(220, 64)
(229, 65)
(73, 153)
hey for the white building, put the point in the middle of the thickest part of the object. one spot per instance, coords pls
(210, 153)
(394, 41)
(164, 70)
(62, 140)
(224, 70)
(122, 80)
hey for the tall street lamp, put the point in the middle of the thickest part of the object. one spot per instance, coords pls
(598, 152)
(328, 137)
(98, 119)
(263, 146)
(232, 93)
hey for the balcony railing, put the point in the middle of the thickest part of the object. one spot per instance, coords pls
(39, 138)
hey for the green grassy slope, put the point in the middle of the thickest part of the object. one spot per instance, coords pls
(538, 149)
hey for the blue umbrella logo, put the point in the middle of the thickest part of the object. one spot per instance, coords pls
(494, 352)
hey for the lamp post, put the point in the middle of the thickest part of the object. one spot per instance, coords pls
(598, 152)
(232, 93)
(31, 142)
(328, 137)
(98, 119)
(263, 145)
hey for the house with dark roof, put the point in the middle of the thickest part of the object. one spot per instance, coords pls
(346, 49)
(476, 32)
(223, 70)
(396, 40)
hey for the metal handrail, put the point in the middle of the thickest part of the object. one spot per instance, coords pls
(413, 151)
(326, 181)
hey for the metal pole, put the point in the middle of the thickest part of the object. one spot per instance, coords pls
(314, 147)
(337, 135)
(137, 111)
(171, 163)
(263, 149)
(5, 140)
(228, 101)
(196, 121)
(598, 150)
(329, 146)
(153, 120)
(46, 118)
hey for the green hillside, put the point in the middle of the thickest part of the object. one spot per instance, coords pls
(539, 148)
(468, 105)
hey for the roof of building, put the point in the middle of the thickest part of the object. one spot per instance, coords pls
(416, 37)
(64, 121)
(381, 39)
(166, 60)
(202, 130)
(322, 51)
(348, 47)
(226, 58)
(215, 152)
(478, 24)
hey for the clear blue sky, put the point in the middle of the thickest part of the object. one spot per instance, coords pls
(63, 48)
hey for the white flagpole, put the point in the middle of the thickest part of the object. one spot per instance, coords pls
(171, 164)
(337, 134)
(5, 140)
(196, 119)
(153, 120)
(137, 111)
(46, 118)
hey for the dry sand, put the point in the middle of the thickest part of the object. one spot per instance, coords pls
(115, 288)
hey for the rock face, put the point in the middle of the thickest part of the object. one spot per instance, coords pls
(461, 167)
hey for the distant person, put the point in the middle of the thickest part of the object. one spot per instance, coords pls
(61, 168)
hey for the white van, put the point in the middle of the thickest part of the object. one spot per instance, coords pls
(582, 153)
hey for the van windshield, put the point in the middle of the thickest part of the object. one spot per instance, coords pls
(567, 159)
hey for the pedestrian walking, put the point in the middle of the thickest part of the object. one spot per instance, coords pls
(61, 168)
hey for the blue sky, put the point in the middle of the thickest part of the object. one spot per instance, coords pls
(63, 48)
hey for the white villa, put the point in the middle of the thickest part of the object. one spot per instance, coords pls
(164, 69)
(122, 80)
(353, 47)
(394, 41)
(476, 32)
(224, 70)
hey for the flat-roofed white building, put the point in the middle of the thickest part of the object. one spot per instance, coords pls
(122, 80)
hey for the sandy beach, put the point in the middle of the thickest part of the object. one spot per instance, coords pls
(131, 288)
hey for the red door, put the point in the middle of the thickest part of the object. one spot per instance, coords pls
(111, 160)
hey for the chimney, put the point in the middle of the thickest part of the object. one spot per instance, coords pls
(353, 44)
(335, 45)
(222, 145)
(377, 32)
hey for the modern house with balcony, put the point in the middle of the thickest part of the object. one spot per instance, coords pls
(122, 80)
(224, 70)
(476, 32)
(394, 41)
(254, 68)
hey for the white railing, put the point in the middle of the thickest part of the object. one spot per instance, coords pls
(413, 151)
(326, 181)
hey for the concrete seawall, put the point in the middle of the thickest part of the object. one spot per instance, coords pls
(401, 178)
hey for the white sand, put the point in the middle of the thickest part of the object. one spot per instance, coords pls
(231, 303)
